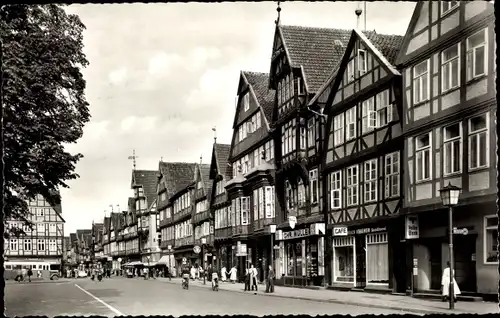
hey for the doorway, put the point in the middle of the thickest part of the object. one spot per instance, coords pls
(400, 269)
(360, 261)
(435, 260)
(465, 262)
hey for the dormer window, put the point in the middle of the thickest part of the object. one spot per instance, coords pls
(246, 102)
(300, 90)
(362, 65)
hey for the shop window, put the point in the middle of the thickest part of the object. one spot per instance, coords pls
(491, 239)
(294, 258)
(344, 259)
(312, 258)
(377, 256)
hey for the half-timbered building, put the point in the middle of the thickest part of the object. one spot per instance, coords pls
(362, 166)
(449, 70)
(174, 206)
(302, 60)
(220, 207)
(202, 220)
(251, 157)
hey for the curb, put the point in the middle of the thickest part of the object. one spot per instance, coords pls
(334, 301)
(48, 281)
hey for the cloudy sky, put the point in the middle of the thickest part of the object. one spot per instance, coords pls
(162, 75)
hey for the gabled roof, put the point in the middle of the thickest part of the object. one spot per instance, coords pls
(265, 96)
(385, 47)
(314, 50)
(177, 175)
(148, 180)
(106, 223)
(205, 177)
(220, 163)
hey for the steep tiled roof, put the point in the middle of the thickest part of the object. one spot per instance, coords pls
(315, 50)
(205, 175)
(222, 153)
(115, 220)
(177, 175)
(388, 45)
(148, 179)
(106, 223)
(265, 96)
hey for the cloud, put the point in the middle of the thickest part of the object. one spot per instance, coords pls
(117, 76)
(160, 63)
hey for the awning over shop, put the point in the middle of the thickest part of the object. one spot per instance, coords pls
(150, 264)
(136, 263)
(163, 260)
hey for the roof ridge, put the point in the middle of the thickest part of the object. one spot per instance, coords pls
(313, 28)
(255, 72)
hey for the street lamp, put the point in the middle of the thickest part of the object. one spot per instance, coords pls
(169, 249)
(449, 196)
(203, 242)
(272, 229)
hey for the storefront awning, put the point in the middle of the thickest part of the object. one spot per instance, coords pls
(163, 260)
(150, 264)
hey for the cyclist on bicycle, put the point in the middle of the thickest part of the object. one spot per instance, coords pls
(185, 271)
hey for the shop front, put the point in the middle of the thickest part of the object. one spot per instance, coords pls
(185, 252)
(475, 237)
(361, 257)
(260, 256)
(300, 259)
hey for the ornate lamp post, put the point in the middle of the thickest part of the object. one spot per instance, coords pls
(203, 242)
(449, 196)
(169, 248)
(272, 229)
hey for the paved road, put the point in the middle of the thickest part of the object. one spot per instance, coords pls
(120, 296)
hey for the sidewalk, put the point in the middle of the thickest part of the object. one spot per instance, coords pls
(404, 303)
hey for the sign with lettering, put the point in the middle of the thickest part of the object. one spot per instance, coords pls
(367, 230)
(340, 231)
(296, 234)
(242, 249)
(411, 227)
(463, 231)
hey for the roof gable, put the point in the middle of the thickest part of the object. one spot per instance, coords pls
(315, 50)
(220, 164)
(419, 13)
(148, 180)
(176, 175)
(264, 96)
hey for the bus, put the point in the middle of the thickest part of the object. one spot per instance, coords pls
(40, 269)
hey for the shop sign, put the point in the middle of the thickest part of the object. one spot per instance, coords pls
(367, 230)
(297, 233)
(242, 249)
(340, 231)
(110, 258)
(463, 231)
(196, 249)
(411, 227)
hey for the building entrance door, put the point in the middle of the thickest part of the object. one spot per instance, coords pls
(465, 263)
(361, 261)
(435, 260)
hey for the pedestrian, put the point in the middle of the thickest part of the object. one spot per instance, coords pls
(445, 284)
(193, 273)
(253, 277)
(19, 275)
(223, 272)
(30, 273)
(270, 280)
(233, 274)
(210, 271)
(247, 278)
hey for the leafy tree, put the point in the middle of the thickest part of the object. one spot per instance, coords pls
(44, 104)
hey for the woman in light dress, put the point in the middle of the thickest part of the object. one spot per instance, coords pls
(223, 273)
(193, 272)
(232, 274)
(445, 283)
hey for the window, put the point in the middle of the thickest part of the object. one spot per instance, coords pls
(262, 203)
(27, 245)
(350, 71)
(452, 143)
(41, 245)
(362, 62)
(369, 115)
(336, 190)
(14, 246)
(338, 130)
(39, 211)
(52, 228)
(377, 254)
(246, 102)
(289, 195)
(384, 108)
(302, 141)
(478, 142)
(255, 200)
(392, 175)
(52, 246)
(313, 179)
(40, 228)
(301, 194)
(300, 91)
(423, 154)
(352, 185)
(450, 67)
(351, 123)
(280, 100)
(370, 181)
(269, 198)
(245, 207)
(476, 55)
(258, 121)
(421, 82)
(491, 239)
(447, 6)
(343, 270)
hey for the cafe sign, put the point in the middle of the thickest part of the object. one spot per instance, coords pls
(296, 234)
(367, 230)
(340, 231)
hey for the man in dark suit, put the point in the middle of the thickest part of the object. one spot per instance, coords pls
(270, 280)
